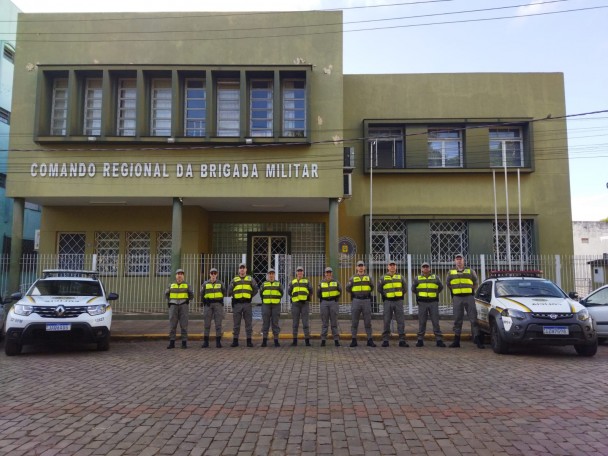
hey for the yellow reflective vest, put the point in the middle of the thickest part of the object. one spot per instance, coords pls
(329, 290)
(427, 287)
(461, 283)
(361, 284)
(271, 292)
(213, 292)
(243, 288)
(299, 290)
(179, 293)
(392, 286)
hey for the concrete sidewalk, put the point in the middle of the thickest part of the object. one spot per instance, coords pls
(155, 327)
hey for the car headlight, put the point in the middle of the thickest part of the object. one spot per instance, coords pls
(97, 310)
(516, 314)
(583, 315)
(23, 309)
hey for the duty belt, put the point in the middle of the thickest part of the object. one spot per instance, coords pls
(368, 296)
(329, 300)
(394, 299)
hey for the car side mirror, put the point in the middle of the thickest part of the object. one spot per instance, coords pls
(573, 295)
(112, 296)
(16, 296)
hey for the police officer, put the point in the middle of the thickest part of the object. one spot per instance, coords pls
(360, 287)
(299, 291)
(329, 292)
(213, 292)
(462, 283)
(271, 292)
(178, 296)
(392, 287)
(242, 289)
(427, 287)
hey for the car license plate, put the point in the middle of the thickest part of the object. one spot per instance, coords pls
(58, 326)
(556, 330)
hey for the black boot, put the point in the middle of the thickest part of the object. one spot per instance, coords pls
(337, 343)
(403, 343)
(307, 341)
(370, 343)
(479, 342)
(184, 344)
(440, 343)
(420, 343)
(264, 342)
(249, 343)
(171, 344)
(276, 343)
(353, 342)
(322, 343)
(456, 343)
(205, 342)
(218, 341)
(235, 342)
(295, 342)
(385, 343)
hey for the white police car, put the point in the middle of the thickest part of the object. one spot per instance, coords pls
(522, 308)
(64, 304)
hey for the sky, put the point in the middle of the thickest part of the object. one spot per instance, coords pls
(449, 36)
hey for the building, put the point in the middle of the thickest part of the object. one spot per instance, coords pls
(31, 213)
(165, 134)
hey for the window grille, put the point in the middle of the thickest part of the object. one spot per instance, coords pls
(160, 113)
(163, 252)
(294, 108)
(138, 253)
(195, 108)
(59, 110)
(92, 107)
(71, 248)
(519, 252)
(127, 109)
(389, 240)
(447, 239)
(107, 245)
(261, 108)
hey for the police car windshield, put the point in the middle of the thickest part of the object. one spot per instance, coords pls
(527, 289)
(65, 288)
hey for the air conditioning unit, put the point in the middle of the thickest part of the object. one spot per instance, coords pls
(348, 185)
(349, 159)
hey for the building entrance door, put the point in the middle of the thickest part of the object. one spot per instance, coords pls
(70, 247)
(264, 249)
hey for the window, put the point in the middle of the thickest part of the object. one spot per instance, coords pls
(261, 108)
(160, 113)
(294, 108)
(447, 239)
(126, 114)
(5, 116)
(92, 107)
(386, 147)
(138, 253)
(506, 147)
(163, 253)
(71, 248)
(59, 109)
(520, 247)
(389, 240)
(195, 108)
(228, 108)
(445, 148)
(106, 247)
(9, 53)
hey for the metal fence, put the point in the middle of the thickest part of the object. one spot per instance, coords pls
(142, 291)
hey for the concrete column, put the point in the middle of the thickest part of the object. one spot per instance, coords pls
(333, 233)
(176, 235)
(16, 245)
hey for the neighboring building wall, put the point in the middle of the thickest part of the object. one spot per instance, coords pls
(590, 238)
(8, 29)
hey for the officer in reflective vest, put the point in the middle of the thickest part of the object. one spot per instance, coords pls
(178, 296)
(271, 292)
(392, 287)
(213, 292)
(427, 287)
(299, 291)
(360, 286)
(329, 293)
(242, 289)
(462, 283)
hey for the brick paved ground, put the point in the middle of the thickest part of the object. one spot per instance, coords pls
(141, 399)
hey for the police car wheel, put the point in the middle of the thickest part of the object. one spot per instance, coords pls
(497, 341)
(586, 350)
(12, 347)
